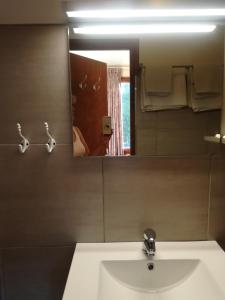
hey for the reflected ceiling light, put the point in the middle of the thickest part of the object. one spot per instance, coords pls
(145, 13)
(144, 29)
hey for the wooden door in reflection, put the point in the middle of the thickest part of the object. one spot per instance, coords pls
(89, 88)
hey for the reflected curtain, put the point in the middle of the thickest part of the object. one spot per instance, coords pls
(114, 110)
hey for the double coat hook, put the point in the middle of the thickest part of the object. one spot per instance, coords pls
(24, 144)
(96, 85)
(51, 142)
(83, 83)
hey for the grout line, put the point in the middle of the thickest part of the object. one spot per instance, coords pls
(209, 196)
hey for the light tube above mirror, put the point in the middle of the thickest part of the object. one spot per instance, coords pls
(144, 29)
(145, 13)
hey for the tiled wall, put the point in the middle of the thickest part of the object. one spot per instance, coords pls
(157, 192)
(217, 200)
(34, 85)
(175, 133)
(182, 49)
(50, 199)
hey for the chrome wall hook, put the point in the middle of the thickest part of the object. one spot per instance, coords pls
(51, 142)
(24, 145)
(96, 85)
(83, 83)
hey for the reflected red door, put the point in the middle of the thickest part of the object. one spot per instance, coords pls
(91, 100)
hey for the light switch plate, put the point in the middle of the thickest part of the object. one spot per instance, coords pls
(106, 125)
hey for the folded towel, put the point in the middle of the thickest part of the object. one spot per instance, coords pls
(158, 80)
(203, 101)
(210, 103)
(207, 80)
(176, 100)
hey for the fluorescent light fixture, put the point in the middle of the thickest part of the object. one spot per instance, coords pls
(145, 13)
(144, 29)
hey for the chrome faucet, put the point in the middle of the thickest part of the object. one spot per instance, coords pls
(149, 242)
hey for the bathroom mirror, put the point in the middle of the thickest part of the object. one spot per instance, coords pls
(152, 95)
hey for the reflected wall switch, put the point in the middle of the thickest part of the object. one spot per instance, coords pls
(106, 125)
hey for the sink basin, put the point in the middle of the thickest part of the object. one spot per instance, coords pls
(121, 271)
(169, 279)
(140, 276)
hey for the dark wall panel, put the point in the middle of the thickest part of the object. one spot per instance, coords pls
(34, 85)
(1, 277)
(49, 198)
(36, 273)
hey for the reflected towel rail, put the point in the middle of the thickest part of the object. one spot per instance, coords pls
(173, 66)
(177, 66)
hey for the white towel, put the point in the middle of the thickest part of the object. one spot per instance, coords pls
(176, 100)
(158, 80)
(208, 80)
(204, 101)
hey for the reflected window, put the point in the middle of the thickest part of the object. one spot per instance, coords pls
(125, 115)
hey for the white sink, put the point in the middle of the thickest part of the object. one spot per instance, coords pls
(115, 271)
(170, 279)
(135, 274)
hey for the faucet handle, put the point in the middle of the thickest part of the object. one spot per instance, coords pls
(149, 234)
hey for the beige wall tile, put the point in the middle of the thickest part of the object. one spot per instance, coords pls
(34, 85)
(214, 120)
(145, 142)
(217, 201)
(182, 119)
(182, 50)
(145, 119)
(181, 142)
(178, 132)
(169, 195)
(49, 198)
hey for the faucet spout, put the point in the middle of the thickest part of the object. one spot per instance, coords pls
(149, 242)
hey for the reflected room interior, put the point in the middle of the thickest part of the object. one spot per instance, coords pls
(100, 82)
(177, 96)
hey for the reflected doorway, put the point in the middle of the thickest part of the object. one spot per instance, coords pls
(103, 69)
(101, 80)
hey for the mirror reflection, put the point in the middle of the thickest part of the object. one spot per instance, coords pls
(101, 102)
(178, 93)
